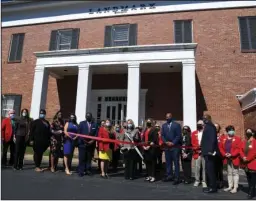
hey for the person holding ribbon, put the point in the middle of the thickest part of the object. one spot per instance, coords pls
(8, 137)
(248, 156)
(69, 142)
(230, 149)
(130, 154)
(105, 148)
(116, 153)
(151, 140)
(40, 138)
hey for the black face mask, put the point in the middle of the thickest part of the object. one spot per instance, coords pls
(169, 120)
(205, 120)
(248, 135)
(149, 124)
(199, 127)
(72, 120)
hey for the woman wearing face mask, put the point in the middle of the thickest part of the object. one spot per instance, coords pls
(229, 149)
(69, 142)
(22, 136)
(150, 138)
(40, 138)
(116, 153)
(186, 154)
(248, 156)
(57, 128)
(105, 148)
(130, 155)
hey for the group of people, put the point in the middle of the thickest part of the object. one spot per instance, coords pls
(210, 149)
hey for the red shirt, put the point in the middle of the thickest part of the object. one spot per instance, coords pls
(146, 135)
(6, 129)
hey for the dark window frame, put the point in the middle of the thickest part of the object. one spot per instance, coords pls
(183, 32)
(10, 48)
(250, 50)
(15, 96)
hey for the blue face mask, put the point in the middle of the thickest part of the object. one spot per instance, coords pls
(12, 116)
(41, 116)
(231, 133)
(169, 120)
(118, 130)
(129, 126)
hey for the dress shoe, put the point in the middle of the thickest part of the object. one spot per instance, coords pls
(89, 173)
(176, 182)
(152, 179)
(211, 190)
(80, 174)
(131, 178)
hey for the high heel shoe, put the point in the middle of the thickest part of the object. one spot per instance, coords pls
(68, 172)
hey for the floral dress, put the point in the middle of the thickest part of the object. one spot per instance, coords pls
(57, 139)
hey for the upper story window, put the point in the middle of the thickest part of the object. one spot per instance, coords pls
(183, 31)
(248, 33)
(10, 102)
(64, 39)
(16, 46)
(120, 35)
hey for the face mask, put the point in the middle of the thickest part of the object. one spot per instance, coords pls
(148, 124)
(169, 120)
(185, 131)
(41, 116)
(108, 124)
(24, 114)
(248, 135)
(118, 130)
(205, 120)
(129, 126)
(72, 119)
(88, 118)
(231, 133)
(12, 116)
(199, 127)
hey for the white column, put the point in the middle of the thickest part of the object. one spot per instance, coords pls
(189, 94)
(83, 91)
(39, 93)
(133, 92)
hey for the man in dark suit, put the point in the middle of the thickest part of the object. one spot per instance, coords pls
(209, 148)
(86, 146)
(171, 136)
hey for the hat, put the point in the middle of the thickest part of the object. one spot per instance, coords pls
(200, 122)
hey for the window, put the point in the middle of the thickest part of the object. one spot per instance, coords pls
(183, 31)
(248, 33)
(16, 46)
(64, 39)
(10, 102)
(120, 35)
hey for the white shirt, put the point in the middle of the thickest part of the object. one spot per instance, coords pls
(200, 133)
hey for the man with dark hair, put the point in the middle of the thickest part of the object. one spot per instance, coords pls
(209, 145)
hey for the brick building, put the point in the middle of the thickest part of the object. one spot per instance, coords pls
(135, 60)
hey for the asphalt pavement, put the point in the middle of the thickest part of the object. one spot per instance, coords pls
(28, 184)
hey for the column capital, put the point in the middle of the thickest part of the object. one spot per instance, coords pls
(39, 68)
(189, 62)
(83, 66)
(133, 65)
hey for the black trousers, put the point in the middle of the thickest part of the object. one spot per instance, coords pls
(129, 156)
(38, 156)
(187, 169)
(20, 148)
(210, 170)
(251, 179)
(115, 160)
(6, 145)
(151, 167)
(159, 159)
(219, 169)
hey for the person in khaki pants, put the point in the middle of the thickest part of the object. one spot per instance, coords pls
(198, 158)
(230, 149)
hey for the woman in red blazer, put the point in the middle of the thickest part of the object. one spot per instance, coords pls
(230, 149)
(105, 148)
(248, 155)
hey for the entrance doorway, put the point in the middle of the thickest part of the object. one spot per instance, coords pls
(116, 112)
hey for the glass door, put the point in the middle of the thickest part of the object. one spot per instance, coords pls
(116, 112)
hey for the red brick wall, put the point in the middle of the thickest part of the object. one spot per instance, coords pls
(222, 70)
(250, 118)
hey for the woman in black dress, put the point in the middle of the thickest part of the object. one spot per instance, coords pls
(57, 128)
(40, 138)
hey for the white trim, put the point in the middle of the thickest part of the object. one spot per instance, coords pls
(160, 7)
(248, 100)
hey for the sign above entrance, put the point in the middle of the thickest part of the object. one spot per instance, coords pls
(122, 8)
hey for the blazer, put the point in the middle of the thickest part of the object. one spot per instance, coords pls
(172, 134)
(83, 129)
(209, 142)
(105, 146)
(195, 144)
(7, 131)
(235, 150)
(251, 155)
(152, 152)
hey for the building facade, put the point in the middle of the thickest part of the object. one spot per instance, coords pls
(135, 60)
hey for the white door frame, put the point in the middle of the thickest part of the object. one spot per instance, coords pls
(115, 92)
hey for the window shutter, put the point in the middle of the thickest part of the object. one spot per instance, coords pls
(178, 31)
(14, 44)
(53, 41)
(17, 104)
(20, 47)
(187, 31)
(108, 36)
(75, 38)
(252, 25)
(245, 45)
(133, 34)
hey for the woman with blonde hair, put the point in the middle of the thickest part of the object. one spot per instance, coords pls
(105, 148)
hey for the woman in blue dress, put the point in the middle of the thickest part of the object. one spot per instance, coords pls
(69, 142)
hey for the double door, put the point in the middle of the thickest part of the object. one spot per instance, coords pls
(116, 112)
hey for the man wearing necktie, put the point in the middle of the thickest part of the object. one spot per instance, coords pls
(171, 137)
(86, 146)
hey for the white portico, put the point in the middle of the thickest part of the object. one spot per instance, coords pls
(132, 58)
